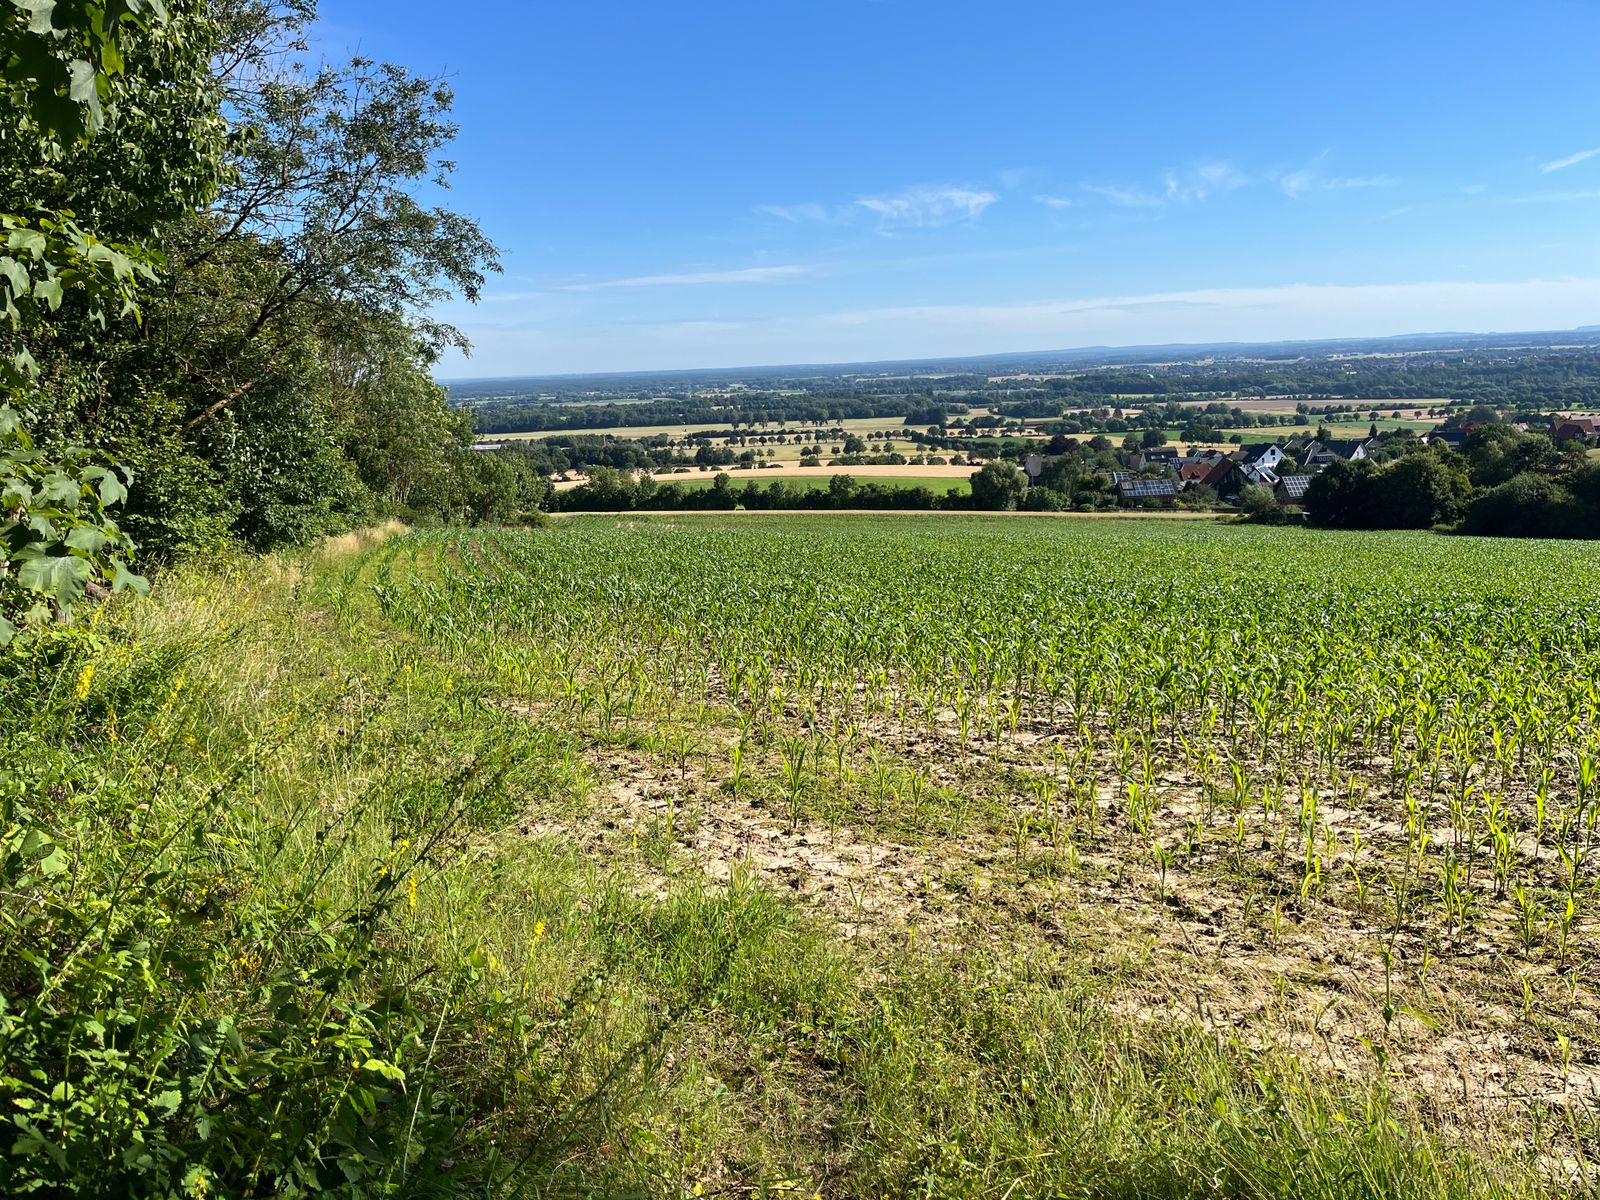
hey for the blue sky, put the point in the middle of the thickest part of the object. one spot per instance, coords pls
(702, 183)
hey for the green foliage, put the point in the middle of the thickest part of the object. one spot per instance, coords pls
(60, 59)
(1529, 505)
(1505, 483)
(998, 486)
(56, 535)
(276, 388)
(1257, 502)
(217, 976)
(1423, 490)
(112, 127)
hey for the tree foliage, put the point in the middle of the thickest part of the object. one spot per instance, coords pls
(998, 486)
(56, 533)
(273, 382)
(1505, 482)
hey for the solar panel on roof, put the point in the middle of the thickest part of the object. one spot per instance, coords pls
(1147, 489)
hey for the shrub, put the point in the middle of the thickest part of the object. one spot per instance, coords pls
(1526, 505)
(56, 535)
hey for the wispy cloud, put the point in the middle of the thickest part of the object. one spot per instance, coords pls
(1187, 186)
(1124, 197)
(929, 205)
(1202, 182)
(1571, 160)
(1474, 189)
(1292, 311)
(694, 279)
(1053, 201)
(798, 214)
(1341, 183)
(923, 206)
(1310, 178)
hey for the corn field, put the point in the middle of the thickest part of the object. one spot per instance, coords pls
(1364, 771)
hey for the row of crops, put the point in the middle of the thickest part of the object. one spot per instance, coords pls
(1401, 728)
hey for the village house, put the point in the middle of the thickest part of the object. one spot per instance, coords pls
(1145, 493)
(1159, 458)
(1580, 428)
(1262, 456)
(1453, 438)
(1319, 454)
(1291, 489)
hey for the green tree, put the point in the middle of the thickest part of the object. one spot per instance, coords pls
(281, 378)
(1342, 496)
(1257, 502)
(110, 129)
(998, 486)
(1526, 506)
(1419, 491)
(1496, 453)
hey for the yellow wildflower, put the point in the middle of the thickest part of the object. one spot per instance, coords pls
(201, 1187)
(411, 893)
(85, 678)
(538, 930)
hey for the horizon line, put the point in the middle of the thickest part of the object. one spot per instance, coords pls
(1592, 330)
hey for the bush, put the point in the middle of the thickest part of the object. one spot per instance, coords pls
(1420, 491)
(1257, 503)
(1529, 505)
(57, 537)
(998, 486)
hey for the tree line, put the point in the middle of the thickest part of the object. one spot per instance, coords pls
(749, 409)
(1503, 482)
(266, 378)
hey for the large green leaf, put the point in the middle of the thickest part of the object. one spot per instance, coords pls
(63, 578)
(60, 489)
(49, 291)
(39, 14)
(108, 483)
(122, 578)
(88, 538)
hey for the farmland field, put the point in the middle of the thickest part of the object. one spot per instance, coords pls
(861, 425)
(813, 481)
(873, 856)
(1335, 796)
